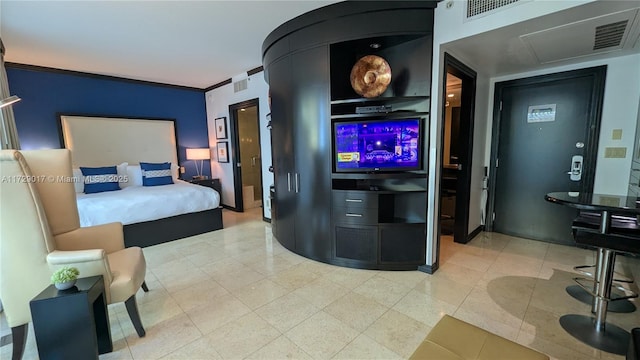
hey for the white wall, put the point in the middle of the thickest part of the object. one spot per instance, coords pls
(619, 111)
(218, 101)
(450, 24)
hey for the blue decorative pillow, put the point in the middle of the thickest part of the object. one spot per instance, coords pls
(154, 174)
(100, 179)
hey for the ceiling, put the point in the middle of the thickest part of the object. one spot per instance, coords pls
(201, 43)
(561, 38)
(188, 43)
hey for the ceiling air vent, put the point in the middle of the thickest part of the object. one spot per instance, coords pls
(477, 7)
(609, 35)
(240, 85)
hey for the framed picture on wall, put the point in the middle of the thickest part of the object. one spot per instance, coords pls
(221, 128)
(223, 151)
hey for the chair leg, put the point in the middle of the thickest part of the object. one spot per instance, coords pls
(144, 286)
(19, 340)
(132, 309)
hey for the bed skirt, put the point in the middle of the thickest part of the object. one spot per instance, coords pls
(172, 228)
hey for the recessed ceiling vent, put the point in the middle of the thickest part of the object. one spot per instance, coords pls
(477, 7)
(609, 35)
(240, 85)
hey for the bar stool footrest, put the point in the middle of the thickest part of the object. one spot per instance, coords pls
(620, 278)
(628, 294)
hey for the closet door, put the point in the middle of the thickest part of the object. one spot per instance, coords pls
(283, 151)
(312, 145)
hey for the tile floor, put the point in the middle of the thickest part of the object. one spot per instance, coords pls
(236, 293)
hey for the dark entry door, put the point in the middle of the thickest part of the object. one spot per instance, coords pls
(547, 141)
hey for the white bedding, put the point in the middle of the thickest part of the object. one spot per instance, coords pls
(145, 203)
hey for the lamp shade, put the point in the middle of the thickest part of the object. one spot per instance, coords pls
(198, 154)
(8, 101)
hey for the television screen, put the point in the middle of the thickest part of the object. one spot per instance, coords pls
(378, 145)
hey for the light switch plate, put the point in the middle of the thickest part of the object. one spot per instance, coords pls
(616, 134)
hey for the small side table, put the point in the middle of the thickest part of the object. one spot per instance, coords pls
(74, 323)
(210, 183)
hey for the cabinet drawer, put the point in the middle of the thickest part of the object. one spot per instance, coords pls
(354, 199)
(355, 215)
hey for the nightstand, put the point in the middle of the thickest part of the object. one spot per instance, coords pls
(74, 323)
(211, 183)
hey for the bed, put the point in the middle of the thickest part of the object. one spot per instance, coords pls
(150, 214)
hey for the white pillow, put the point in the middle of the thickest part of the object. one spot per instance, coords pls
(78, 180)
(134, 174)
(122, 175)
(175, 172)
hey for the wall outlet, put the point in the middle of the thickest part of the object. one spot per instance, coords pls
(182, 170)
(615, 152)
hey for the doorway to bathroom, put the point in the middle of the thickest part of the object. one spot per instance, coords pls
(457, 147)
(247, 167)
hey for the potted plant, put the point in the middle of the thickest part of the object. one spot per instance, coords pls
(65, 277)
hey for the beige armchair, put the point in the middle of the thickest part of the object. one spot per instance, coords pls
(40, 232)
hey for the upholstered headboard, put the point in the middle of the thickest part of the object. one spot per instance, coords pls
(105, 141)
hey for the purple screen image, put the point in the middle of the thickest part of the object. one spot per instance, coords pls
(378, 145)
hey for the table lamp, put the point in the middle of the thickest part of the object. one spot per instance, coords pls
(199, 154)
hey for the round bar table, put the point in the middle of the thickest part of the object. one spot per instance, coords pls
(595, 331)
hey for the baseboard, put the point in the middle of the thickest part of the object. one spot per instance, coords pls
(475, 233)
(231, 208)
(429, 269)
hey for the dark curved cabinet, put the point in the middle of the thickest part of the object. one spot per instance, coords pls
(282, 152)
(306, 62)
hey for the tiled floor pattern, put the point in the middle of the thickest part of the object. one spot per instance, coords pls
(236, 293)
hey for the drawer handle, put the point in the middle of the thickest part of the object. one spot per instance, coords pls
(353, 200)
(353, 215)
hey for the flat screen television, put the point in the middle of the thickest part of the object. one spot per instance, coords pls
(381, 145)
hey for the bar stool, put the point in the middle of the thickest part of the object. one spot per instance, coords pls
(589, 222)
(595, 331)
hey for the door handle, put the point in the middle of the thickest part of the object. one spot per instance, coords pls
(289, 182)
(576, 168)
(353, 215)
(297, 183)
(353, 200)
